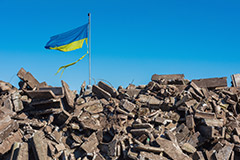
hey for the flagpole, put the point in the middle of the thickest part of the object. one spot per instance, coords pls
(89, 43)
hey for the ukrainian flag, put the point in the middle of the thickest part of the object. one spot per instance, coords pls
(70, 40)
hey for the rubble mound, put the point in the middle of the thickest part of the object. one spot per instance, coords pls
(168, 118)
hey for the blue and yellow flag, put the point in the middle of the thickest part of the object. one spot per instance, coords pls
(69, 41)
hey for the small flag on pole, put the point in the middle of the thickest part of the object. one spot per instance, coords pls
(69, 41)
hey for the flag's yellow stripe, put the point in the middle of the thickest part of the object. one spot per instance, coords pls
(71, 46)
(64, 67)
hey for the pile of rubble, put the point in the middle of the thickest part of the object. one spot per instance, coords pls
(169, 118)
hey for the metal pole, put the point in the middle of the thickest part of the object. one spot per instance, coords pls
(89, 43)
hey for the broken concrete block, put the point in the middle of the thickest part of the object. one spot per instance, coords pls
(58, 91)
(169, 134)
(5, 111)
(181, 132)
(212, 132)
(157, 78)
(21, 116)
(237, 130)
(16, 99)
(109, 89)
(199, 114)
(195, 140)
(225, 152)
(7, 126)
(39, 146)
(21, 73)
(113, 148)
(124, 112)
(46, 104)
(133, 93)
(149, 148)
(69, 95)
(152, 101)
(171, 150)
(196, 88)
(94, 108)
(6, 145)
(89, 122)
(128, 105)
(236, 80)
(40, 94)
(213, 122)
(8, 104)
(184, 99)
(138, 132)
(5, 87)
(45, 112)
(190, 121)
(236, 139)
(76, 138)
(142, 138)
(28, 78)
(174, 116)
(63, 118)
(152, 156)
(206, 131)
(79, 107)
(142, 125)
(160, 120)
(21, 152)
(195, 95)
(188, 148)
(211, 82)
(59, 147)
(100, 92)
(91, 143)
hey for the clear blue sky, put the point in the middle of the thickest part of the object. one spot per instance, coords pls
(131, 40)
